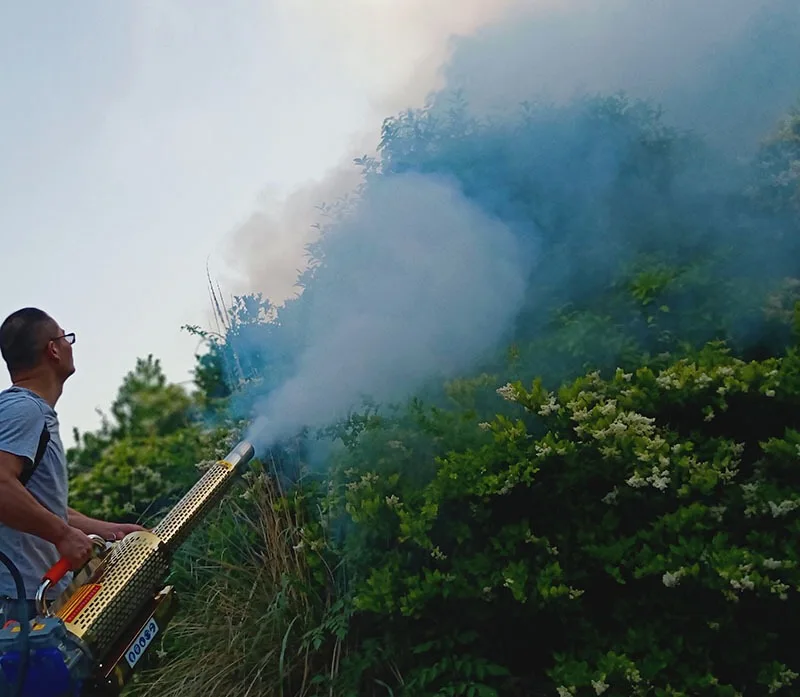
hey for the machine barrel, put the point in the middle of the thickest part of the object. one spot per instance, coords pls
(128, 578)
(206, 493)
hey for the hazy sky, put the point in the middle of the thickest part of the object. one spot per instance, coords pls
(141, 138)
(136, 136)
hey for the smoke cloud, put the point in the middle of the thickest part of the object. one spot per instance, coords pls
(433, 278)
(390, 55)
(728, 68)
(432, 283)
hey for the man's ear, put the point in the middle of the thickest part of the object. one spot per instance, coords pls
(51, 350)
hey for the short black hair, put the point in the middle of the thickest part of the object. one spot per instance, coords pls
(23, 335)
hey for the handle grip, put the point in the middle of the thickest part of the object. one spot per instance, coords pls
(56, 572)
(60, 569)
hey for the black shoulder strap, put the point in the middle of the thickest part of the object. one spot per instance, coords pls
(44, 439)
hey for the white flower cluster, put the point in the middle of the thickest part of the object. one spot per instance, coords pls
(784, 507)
(750, 496)
(628, 423)
(671, 580)
(756, 505)
(668, 380)
(771, 383)
(511, 481)
(690, 375)
(437, 553)
(365, 481)
(741, 579)
(609, 408)
(633, 676)
(205, 465)
(745, 583)
(600, 685)
(785, 678)
(780, 589)
(551, 406)
(658, 479)
(622, 375)
(508, 392)
(593, 378)
(731, 468)
(392, 501)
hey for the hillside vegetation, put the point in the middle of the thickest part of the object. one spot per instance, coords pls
(607, 504)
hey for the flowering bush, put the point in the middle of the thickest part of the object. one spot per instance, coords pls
(632, 534)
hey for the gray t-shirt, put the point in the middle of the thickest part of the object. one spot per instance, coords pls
(23, 415)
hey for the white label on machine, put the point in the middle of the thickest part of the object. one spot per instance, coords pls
(139, 645)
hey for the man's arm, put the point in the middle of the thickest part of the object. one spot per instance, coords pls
(93, 526)
(82, 522)
(21, 511)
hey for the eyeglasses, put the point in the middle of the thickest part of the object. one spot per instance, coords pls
(69, 337)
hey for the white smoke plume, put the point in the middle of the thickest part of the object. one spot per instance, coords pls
(392, 54)
(432, 282)
(725, 67)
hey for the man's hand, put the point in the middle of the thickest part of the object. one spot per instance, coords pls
(115, 531)
(75, 546)
(106, 530)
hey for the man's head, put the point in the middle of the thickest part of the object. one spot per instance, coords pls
(32, 342)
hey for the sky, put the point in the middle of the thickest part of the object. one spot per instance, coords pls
(140, 138)
(143, 140)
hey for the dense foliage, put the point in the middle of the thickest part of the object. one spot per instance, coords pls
(613, 535)
(145, 456)
(607, 506)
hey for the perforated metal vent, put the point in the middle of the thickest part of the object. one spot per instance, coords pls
(128, 577)
(101, 609)
(180, 521)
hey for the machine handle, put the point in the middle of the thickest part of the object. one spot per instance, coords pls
(60, 569)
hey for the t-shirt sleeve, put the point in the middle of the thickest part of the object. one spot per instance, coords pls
(21, 424)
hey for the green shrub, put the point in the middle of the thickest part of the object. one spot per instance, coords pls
(627, 535)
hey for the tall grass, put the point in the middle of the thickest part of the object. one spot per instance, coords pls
(248, 605)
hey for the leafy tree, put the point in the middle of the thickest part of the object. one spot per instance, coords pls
(145, 453)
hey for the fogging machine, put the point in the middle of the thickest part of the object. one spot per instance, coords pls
(91, 638)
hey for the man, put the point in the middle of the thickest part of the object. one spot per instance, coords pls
(37, 527)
